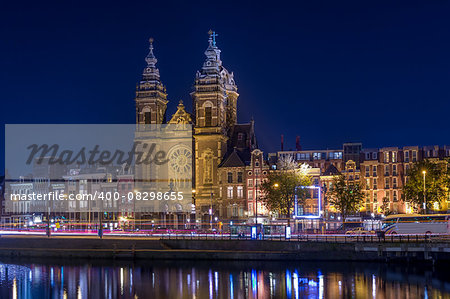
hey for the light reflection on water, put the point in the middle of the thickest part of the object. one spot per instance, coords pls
(181, 279)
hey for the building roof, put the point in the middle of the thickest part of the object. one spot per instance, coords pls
(233, 159)
(331, 170)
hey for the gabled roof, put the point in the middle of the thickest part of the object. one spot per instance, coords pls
(232, 160)
(331, 170)
(181, 116)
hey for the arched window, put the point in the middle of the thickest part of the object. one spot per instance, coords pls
(208, 114)
(147, 115)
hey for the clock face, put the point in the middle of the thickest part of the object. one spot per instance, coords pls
(181, 160)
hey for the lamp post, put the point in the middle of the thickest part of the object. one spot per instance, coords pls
(211, 210)
(256, 197)
(134, 210)
(424, 193)
(194, 210)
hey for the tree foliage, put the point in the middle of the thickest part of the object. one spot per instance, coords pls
(437, 183)
(346, 196)
(281, 186)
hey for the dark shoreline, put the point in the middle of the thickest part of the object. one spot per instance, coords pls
(120, 248)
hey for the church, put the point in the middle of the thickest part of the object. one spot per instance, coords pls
(225, 153)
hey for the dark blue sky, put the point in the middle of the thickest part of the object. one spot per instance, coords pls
(330, 71)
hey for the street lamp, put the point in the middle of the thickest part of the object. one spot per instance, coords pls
(134, 210)
(276, 185)
(424, 193)
(193, 204)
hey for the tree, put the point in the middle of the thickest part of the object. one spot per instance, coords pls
(385, 209)
(346, 197)
(437, 183)
(281, 186)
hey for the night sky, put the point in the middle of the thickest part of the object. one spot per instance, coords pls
(377, 72)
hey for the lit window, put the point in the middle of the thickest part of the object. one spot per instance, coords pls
(394, 157)
(250, 194)
(230, 192)
(240, 192)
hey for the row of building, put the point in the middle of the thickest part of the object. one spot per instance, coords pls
(228, 166)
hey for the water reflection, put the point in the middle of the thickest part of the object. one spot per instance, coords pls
(176, 279)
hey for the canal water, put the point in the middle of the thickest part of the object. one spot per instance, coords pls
(219, 279)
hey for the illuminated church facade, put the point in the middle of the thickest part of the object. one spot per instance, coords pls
(223, 150)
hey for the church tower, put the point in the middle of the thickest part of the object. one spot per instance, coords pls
(214, 102)
(151, 96)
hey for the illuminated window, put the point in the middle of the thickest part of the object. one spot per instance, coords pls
(386, 157)
(240, 192)
(250, 194)
(394, 157)
(230, 192)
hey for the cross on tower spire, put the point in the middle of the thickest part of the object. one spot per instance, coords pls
(212, 37)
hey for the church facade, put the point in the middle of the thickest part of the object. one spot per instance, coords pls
(219, 142)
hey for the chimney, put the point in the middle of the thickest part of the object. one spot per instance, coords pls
(297, 143)
(282, 142)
